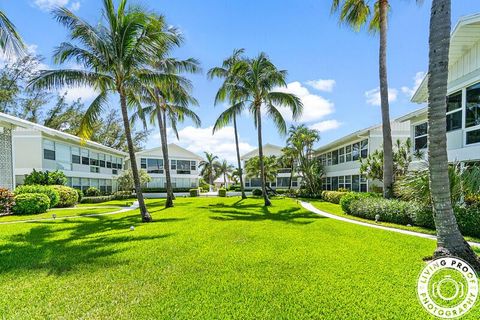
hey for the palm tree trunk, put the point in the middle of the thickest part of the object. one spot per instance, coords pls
(166, 160)
(386, 129)
(146, 217)
(450, 241)
(260, 158)
(239, 163)
(291, 177)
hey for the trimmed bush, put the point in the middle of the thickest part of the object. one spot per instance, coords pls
(239, 189)
(281, 191)
(347, 199)
(31, 203)
(7, 200)
(222, 192)
(50, 192)
(68, 196)
(468, 219)
(424, 218)
(194, 192)
(163, 190)
(122, 195)
(80, 195)
(92, 192)
(98, 199)
(333, 196)
(257, 192)
(45, 178)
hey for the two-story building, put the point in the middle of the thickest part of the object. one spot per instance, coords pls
(463, 96)
(85, 163)
(283, 175)
(183, 167)
(341, 158)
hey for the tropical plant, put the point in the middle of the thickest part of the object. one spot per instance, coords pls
(209, 168)
(10, 41)
(226, 170)
(227, 72)
(45, 178)
(287, 160)
(114, 56)
(450, 241)
(125, 181)
(271, 165)
(167, 102)
(255, 85)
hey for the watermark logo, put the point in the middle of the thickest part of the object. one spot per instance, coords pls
(448, 288)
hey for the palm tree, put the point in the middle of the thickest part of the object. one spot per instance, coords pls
(357, 14)
(10, 41)
(450, 241)
(270, 168)
(226, 170)
(287, 160)
(254, 86)
(209, 168)
(226, 71)
(114, 56)
(168, 102)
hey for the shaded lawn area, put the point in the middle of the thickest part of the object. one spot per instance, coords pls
(210, 258)
(67, 212)
(115, 203)
(336, 209)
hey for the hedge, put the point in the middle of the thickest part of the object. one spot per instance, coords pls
(333, 196)
(163, 190)
(68, 196)
(31, 203)
(92, 192)
(257, 192)
(396, 211)
(194, 192)
(347, 199)
(119, 195)
(222, 192)
(50, 192)
(468, 219)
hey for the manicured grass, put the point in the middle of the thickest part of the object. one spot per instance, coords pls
(116, 203)
(59, 213)
(210, 258)
(336, 209)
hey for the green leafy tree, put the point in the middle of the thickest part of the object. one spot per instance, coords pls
(126, 183)
(227, 72)
(255, 84)
(45, 178)
(225, 169)
(209, 168)
(270, 168)
(114, 56)
(450, 241)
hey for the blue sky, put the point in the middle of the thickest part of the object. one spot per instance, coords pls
(333, 69)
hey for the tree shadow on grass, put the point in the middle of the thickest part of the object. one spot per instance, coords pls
(256, 212)
(62, 246)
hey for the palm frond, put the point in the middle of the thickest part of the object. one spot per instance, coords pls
(91, 116)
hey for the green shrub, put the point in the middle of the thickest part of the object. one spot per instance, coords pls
(80, 195)
(163, 190)
(239, 189)
(281, 191)
(68, 196)
(46, 178)
(31, 203)
(7, 200)
(49, 191)
(98, 199)
(222, 192)
(194, 192)
(122, 195)
(347, 199)
(92, 192)
(468, 219)
(424, 218)
(389, 210)
(333, 196)
(257, 192)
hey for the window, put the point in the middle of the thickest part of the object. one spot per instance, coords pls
(63, 156)
(473, 136)
(76, 155)
(154, 165)
(323, 159)
(48, 150)
(363, 184)
(335, 183)
(355, 151)
(348, 153)
(94, 169)
(193, 165)
(420, 136)
(76, 183)
(364, 148)
(119, 163)
(329, 183)
(472, 117)
(334, 157)
(348, 182)
(341, 182)
(143, 163)
(109, 161)
(356, 183)
(101, 160)
(341, 155)
(454, 111)
(295, 182)
(183, 166)
(283, 182)
(173, 164)
(85, 159)
(329, 159)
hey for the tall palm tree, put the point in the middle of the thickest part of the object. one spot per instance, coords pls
(449, 239)
(209, 168)
(287, 160)
(168, 103)
(114, 55)
(270, 168)
(226, 71)
(226, 170)
(357, 14)
(10, 41)
(254, 86)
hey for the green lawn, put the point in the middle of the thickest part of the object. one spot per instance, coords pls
(59, 213)
(210, 258)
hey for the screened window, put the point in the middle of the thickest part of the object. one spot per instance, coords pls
(363, 184)
(348, 153)
(341, 182)
(335, 157)
(76, 155)
(421, 136)
(173, 164)
(364, 148)
(335, 183)
(341, 155)
(101, 160)
(48, 150)
(472, 117)
(355, 151)
(63, 157)
(183, 166)
(154, 165)
(329, 159)
(454, 111)
(348, 182)
(143, 163)
(356, 183)
(85, 159)
(473, 136)
(193, 165)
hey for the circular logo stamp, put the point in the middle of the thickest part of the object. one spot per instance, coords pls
(448, 287)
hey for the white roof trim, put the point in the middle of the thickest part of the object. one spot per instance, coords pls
(254, 152)
(193, 154)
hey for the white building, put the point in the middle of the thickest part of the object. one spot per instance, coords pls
(283, 176)
(463, 96)
(341, 158)
(183, 167)
(85, 163)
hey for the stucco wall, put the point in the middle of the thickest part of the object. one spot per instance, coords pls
(6, 159)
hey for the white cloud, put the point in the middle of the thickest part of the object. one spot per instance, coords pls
(315, 107)
(47, 5)
(86, 94)
(417, 80)
(322, 84)
(373, 96)
(199, 140)
(31, 50)
(326, 125)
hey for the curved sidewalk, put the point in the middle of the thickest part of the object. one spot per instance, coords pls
(310, 207)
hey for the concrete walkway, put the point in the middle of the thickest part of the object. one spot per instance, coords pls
(132, 207)
(311, 208)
